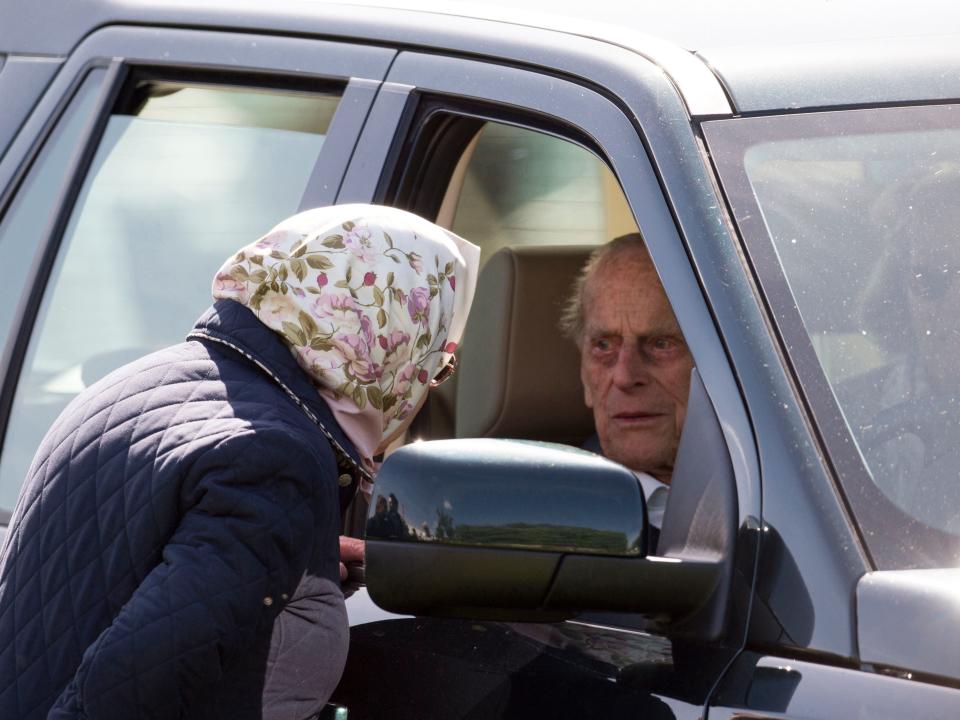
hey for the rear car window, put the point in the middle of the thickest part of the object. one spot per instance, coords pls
(185, 175)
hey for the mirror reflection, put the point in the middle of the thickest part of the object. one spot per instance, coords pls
(507, 501)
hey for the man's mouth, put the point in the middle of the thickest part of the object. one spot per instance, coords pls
(636, 419)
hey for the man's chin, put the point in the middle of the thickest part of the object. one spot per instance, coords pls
(641, 450)
(630, 457)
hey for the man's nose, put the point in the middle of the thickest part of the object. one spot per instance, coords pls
(631, 367)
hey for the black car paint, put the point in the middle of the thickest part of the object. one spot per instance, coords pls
(429, 667)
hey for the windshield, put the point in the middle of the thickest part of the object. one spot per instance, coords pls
(852, 220)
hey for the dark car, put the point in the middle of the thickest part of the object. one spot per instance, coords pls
(796, 176)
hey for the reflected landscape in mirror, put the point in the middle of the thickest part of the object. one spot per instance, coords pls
(507, 494)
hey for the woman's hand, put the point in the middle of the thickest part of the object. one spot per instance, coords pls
(351, 552)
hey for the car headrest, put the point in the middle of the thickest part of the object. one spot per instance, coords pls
(519, 377)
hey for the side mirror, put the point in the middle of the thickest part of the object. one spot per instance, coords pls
(517, 530)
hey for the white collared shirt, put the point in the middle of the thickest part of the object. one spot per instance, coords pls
(655, 493)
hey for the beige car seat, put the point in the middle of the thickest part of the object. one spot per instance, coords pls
(518, 376)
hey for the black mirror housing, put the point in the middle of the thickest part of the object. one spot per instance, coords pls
(506, 529)
(479, 527)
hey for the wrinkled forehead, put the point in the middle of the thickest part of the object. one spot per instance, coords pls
(624, 293)
(617, 267)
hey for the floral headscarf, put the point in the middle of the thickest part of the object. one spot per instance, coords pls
(371, 300)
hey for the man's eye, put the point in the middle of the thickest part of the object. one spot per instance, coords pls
(663, 345)
(602, 346)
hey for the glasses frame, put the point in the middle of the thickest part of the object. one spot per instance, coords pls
(445, 373)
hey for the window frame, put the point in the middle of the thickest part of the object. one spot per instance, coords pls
(124, 50)
(22, 81)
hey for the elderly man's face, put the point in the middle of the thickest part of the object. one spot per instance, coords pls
(635, 365)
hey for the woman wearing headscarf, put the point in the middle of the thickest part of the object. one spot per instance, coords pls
(174, 553)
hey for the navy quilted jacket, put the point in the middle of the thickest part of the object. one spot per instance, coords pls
(174, 552)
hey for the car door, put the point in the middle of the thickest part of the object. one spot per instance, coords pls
(441, 128)
(152, 156)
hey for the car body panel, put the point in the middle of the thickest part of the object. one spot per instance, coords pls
(871, 71)
(382, 25)
(903, 614)
(432, 667)
(661, 34)
(769, 687)
(22, 81)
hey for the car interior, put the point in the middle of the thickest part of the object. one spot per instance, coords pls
(513, 360)
(537, 204)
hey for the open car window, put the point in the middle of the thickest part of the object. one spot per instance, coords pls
(518, 187)
(537, 203)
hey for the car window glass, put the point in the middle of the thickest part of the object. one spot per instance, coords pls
(27, 219)
(861, 210)
(187, 177)
(523, 187)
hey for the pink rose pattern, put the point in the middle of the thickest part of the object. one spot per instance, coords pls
(418, 304)
(224, 283)
(357, 309)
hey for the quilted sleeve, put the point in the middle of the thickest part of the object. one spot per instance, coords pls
(250, 520)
